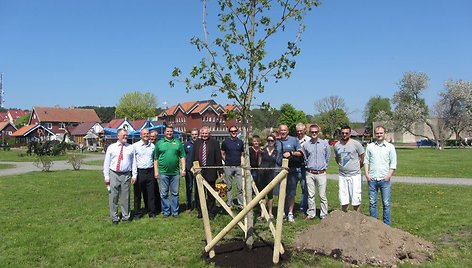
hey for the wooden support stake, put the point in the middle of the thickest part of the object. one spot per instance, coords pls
(280, 213)
(223, 203)
(266, 216)
(280, 177)
(203, 205)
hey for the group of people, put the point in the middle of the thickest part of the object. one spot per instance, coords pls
(155, 168)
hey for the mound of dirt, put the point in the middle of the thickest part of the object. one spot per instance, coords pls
(358, 239)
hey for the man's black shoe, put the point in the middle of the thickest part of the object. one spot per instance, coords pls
(199, 216)
(115, 222)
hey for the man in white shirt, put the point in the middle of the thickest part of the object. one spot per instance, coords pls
(119, 171)
(144, 150)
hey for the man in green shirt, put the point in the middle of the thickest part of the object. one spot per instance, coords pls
(168, 153)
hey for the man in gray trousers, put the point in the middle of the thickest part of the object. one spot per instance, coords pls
(117, 168)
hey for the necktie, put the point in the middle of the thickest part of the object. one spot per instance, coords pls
(204, 154)
(120, 157)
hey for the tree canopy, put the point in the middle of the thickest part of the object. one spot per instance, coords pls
(373, 107)
(136, 105)
(291, 117)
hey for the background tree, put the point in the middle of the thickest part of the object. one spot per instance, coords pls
(455, 106)
(291, 117)
(23, 120)
(330, 103)
(237, 61)
(263, 118)
(331, 121)
(136, 105)
(373, 107)
(410, 108)
(331, 114)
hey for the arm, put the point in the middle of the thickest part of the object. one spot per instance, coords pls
(366, 164)
(134, 167)
(156, 170)
(327, 154)
(182, 166)
(106, 166)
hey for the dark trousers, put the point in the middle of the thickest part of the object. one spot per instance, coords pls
(145, 187)
(189, 181)
(210, 199)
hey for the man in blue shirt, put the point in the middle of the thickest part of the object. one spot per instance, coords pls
(289, 147)
(232, 149)
(317, 154)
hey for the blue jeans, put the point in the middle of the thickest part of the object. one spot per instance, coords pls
(166, 183)
(304, 197)
(385, 188)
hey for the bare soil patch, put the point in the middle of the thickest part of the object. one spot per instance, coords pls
(235, 254)
(358, 239)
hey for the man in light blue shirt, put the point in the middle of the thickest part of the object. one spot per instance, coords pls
(317, 154)
(379, 163)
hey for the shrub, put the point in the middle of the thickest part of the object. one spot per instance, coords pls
(43, 162)
(75, 160)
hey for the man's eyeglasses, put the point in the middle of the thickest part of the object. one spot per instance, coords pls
(314, 132)
(270, 140)
(233, 131)
(345, 133)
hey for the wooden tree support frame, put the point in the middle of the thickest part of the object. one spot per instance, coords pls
(211, 241)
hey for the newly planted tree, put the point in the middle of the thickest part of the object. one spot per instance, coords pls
(238, 62)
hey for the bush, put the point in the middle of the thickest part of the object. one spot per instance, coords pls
(75, 160)
(51, 148)
(43, 162)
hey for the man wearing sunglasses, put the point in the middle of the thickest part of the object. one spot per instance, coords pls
(350, 157)
(317, 154)
(232, 149)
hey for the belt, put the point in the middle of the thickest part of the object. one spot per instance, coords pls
(316, 172)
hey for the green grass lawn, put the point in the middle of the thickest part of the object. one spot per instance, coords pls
(60, 218)
(19, 155)
(94, 162)
(6, 166)
(428, 162)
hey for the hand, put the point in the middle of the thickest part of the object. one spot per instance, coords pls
(156, 176)
(368, 177)
(107, 181)
(182, 173)
(387, 178)
(133, 180)
(287, 154)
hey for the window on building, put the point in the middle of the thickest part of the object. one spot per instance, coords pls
(62, 125)
(49, 125)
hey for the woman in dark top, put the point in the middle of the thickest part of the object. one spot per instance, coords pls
(254, 152)
(267, 159)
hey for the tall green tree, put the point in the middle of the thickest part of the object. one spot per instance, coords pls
(332, 121)
(23, 120)
(373, 107)
(291, 117)
(237, 61)
(264, 118)
(137, 105)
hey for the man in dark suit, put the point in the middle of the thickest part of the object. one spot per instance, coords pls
(207, 152)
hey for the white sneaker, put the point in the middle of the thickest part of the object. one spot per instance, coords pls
(290, 217)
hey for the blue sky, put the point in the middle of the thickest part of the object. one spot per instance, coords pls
(76, 53)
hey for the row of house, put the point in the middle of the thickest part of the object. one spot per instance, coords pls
(83, 126)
